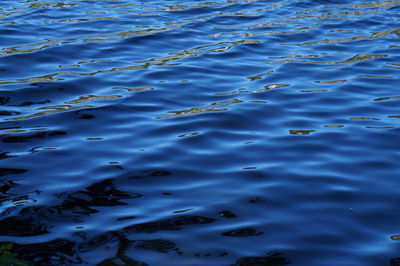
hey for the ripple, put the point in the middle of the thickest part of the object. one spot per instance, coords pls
(386, 98)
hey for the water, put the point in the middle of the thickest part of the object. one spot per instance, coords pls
(200, 133)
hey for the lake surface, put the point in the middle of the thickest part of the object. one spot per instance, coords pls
(225, 132)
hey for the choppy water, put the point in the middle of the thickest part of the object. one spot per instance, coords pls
(200, 133)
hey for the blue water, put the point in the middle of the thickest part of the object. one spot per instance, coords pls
(200, 133)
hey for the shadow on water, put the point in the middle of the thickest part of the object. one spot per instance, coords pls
(30, 221)
(78, 206)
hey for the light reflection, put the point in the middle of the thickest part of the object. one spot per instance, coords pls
(330, 81)
(385, 127)
(320, 90)
(364, 118)
(53, 109)
(266, 88)
(210, 108)
(188, 134)
(85, 19)
(374, 76)
(22, 130)
(386, 98)
(355, 38)
(334, 126)
(260, 76)
(88, 98)
(300, 131)
(134, 89)
(69, 105)
(353, 59)
(212, 48)
(84, 38)
(180, 7)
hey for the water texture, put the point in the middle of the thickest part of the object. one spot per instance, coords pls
(223, 132)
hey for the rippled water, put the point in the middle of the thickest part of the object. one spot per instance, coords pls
(200, 133)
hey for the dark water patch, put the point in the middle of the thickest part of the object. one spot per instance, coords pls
(171, 224)
(32, 221)
(227, 214)
(25, 138)
(243, 232)
(157, 245)
(8, 171)
(272, 258)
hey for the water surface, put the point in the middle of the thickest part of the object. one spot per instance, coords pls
(200, 132)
